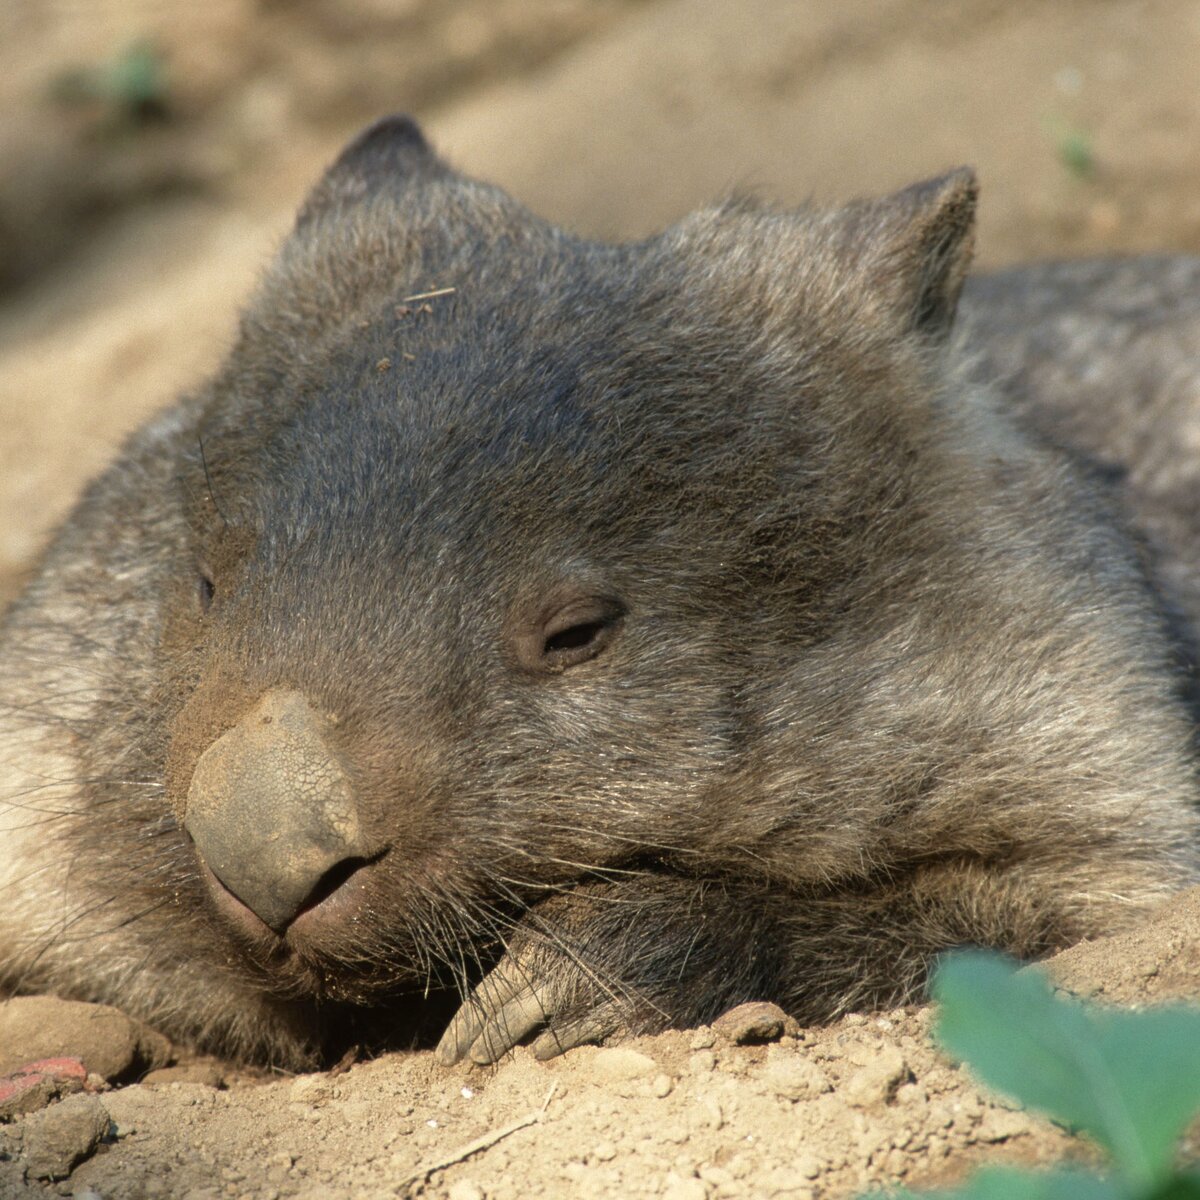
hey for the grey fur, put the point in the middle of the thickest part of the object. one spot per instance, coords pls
(876, 670)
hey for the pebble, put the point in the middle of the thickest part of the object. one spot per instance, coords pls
(63, 1135)
(37, 1083)
(702, 1062)
(999, 1124)
(209, 1074)
(465, 1189)
(109, 1043)
(787, 1183)
(911, 1093)
(754, 1024)
(684, 1189)
(807, 1164)
(614, 1063)
(661, 1087)
(794, 1077)
(875, 1084)
(306, 1089)
(703, 1039)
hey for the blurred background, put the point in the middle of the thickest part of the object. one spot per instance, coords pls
(152, 152)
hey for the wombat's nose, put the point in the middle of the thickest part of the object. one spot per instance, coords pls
(271, 809)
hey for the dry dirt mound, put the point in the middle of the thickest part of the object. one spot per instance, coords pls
(687, 1116)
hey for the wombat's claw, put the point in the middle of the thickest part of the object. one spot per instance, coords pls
(595, 1027)
(504, 1009)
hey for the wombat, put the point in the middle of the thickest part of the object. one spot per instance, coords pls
(598, 635)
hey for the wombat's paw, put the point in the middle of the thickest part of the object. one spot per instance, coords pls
(564, 974)
(516, 1000)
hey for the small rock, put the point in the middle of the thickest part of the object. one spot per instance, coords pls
(703, 1039)
(793, 1077)
(465, 1189)
(999, 1124)
(661, 1087)
(61, 1136)
(109, 1043)
(754, 1024)
(684, 1189)
(786, 1183)
(875, 1084)
(34, 1085)
(307, 1089)
(807, 1165)
(912, 1093)
(209, 1074)
(614, 1063)
(702, 1062)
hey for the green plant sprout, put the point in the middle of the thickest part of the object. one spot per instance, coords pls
(132, 86)
(1075, 147)
(1129, 1079)
(1076, 153)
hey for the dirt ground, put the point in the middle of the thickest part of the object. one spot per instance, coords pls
(135, 213)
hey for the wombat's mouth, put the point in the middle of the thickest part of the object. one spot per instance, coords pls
(334, 902)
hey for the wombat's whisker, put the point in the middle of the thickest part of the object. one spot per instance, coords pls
(208, 484)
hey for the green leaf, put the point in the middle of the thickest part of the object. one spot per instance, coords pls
(1181, 1187)
(1130, 1079)
(1007, 1183)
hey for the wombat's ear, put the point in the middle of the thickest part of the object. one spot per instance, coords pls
(384, 157)
(918, 245)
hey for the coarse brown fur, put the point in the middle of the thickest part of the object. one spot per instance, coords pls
(687, 621)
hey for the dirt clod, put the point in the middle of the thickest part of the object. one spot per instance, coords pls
(109, 1043)
(790, 1076)
(207, 1072)
(33, 1086)
(62, 1136)
(616, 1063)
(754, 1024)
(685, 1189)
(875, 1084)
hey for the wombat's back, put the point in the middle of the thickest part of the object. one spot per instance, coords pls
(1103, 358)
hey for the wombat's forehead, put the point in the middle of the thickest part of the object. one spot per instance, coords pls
(542, 373)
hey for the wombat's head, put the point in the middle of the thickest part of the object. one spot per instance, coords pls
(499, 537)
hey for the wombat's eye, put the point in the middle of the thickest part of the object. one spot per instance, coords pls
(571, 634)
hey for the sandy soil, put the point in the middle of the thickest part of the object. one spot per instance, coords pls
(614, 118)
(683, 1116)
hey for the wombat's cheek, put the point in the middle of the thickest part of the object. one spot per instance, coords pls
(272, 811)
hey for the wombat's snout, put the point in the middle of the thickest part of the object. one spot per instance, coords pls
(272, 810)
